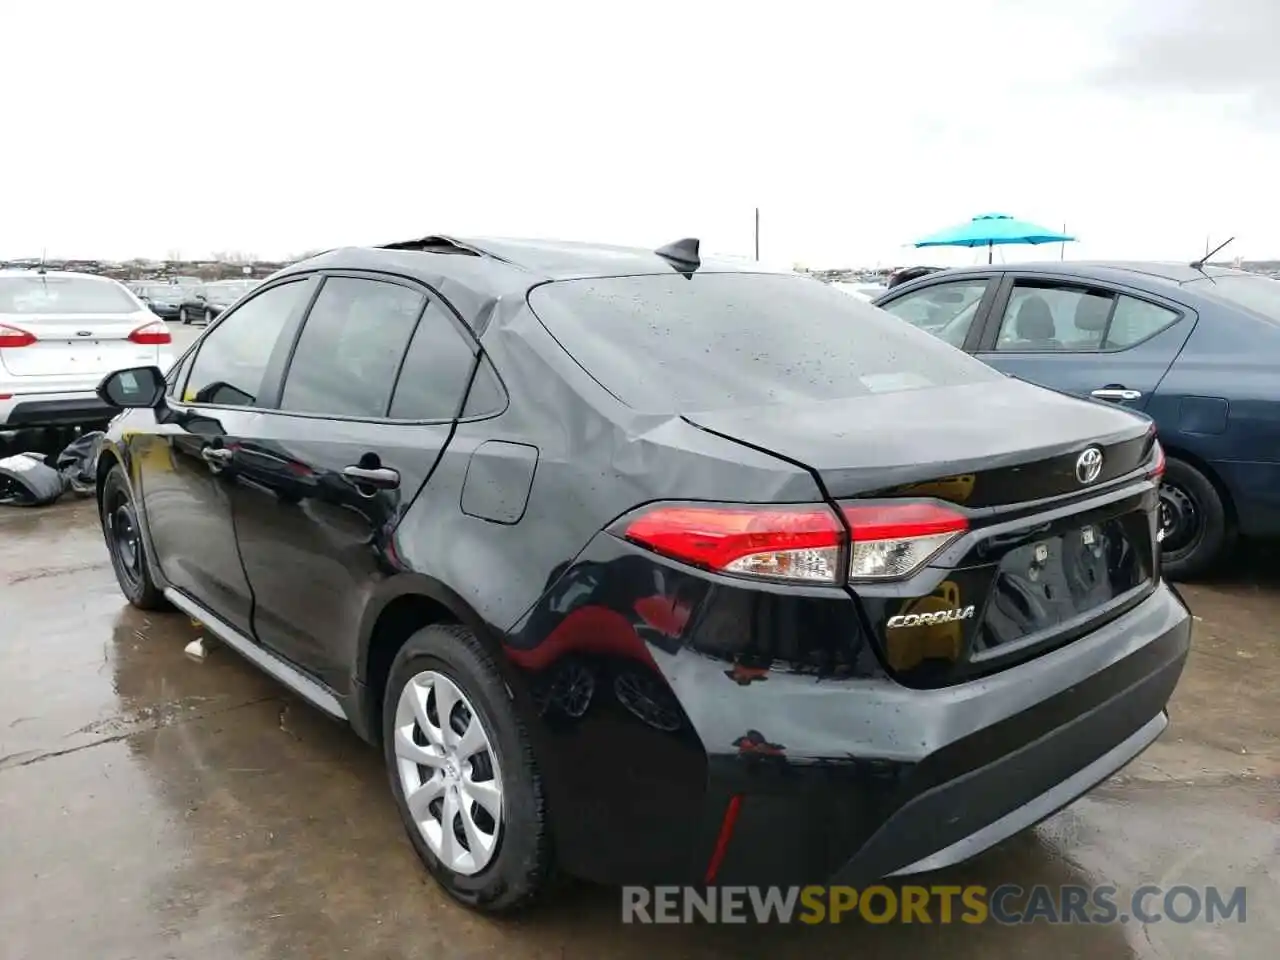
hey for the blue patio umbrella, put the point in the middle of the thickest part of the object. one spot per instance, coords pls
(991, 229)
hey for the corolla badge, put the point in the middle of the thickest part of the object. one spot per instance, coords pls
(929, 619)
(1089, 465)
(84, 333)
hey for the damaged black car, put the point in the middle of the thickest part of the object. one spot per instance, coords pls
(650, 567)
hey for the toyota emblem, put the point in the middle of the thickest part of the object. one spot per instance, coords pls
(1089, 465)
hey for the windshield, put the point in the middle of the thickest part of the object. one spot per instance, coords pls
(1259, 294)
(34, 295)
(666, 343)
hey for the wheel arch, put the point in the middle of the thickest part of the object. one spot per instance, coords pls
(1176, 452)
(401, 607)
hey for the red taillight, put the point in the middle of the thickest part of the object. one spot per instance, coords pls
(797, 543)
(151, 334)
(14, 337)
(895, 539)
(1157, 467)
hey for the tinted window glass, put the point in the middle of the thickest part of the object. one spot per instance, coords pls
(233, 356)
(1259, 294)
(351, 346)
(1135, 320)
(946, 309)
(716, 340)
(487, 395)
(36, 294)
(435, 371)
(1044, 317)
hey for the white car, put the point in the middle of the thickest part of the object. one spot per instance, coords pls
(60, 334)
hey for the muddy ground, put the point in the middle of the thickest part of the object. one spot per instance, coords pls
(154, 807)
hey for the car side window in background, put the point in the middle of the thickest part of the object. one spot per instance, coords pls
(436, 370)
(1045, 317)
(351, 346)
(233, 356)
(1134, 320)
(945, 309)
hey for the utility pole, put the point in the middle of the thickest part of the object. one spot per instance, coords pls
(757, 233)
(1062, 247)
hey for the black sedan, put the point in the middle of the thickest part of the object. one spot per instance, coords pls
(170, 301)
(650, 568)
(218, 296)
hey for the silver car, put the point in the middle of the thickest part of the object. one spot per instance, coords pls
(60, 334)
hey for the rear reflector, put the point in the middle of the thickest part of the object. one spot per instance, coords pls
(153, 333)
(800, 543)
(14, 337)
(895, 539)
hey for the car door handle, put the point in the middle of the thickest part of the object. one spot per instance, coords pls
(380, 478)
(216, 456)
(1117, 393)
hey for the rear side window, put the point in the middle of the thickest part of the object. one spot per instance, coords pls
(435, 372)
(351, 346)
(716, 340)
(1134, 320)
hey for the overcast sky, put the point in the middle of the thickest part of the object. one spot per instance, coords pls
(273, 127)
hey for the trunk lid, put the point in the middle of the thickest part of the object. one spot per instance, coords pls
(1011, 441)
(1047, 555)
(77, 345)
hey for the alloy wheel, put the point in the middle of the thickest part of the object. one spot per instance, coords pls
(449, 774)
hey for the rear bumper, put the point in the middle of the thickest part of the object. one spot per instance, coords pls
(959, 769)
(53, 409)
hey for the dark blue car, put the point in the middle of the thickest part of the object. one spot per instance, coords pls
(1197, 350)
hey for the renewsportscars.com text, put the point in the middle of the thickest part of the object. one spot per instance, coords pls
(939, 904)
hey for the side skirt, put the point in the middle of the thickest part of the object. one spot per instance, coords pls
(310, 690)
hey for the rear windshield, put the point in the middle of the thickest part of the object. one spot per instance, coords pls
(717, 340)
(1259, 294)
(63, 295)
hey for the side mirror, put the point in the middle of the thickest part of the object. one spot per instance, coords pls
(138, 388)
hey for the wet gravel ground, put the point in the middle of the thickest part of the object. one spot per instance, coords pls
(154, 807)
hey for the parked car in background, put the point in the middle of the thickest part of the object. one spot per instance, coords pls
(217, 296)
(166, 300)
(1197, 349)
(652, 568)
(60, 333)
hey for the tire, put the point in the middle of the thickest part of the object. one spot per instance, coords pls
(184, 316)
(133, 573)
(1198, 531)
(518, 868)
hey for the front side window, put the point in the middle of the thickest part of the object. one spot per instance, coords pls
(944, 309)
(354, 339)
(233, 356)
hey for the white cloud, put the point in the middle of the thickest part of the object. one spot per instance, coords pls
(274, 127)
